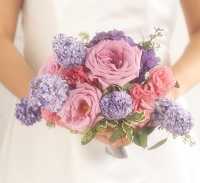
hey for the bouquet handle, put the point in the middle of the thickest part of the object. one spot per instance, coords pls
(117, 152)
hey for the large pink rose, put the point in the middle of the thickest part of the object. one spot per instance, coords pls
(50, 66)
(143, 99)
(161, 80)
(113, 62)
(82, 108)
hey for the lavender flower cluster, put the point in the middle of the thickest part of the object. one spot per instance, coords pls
(28, 111)
(68, 51)
(46, 92)
(116, 105)
(51, 90)
(111, 35)
(172, 116)
(148, 61)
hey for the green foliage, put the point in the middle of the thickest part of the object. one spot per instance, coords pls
(88, 135)
(128, 131)
(177, 85)
(150, 44)
(73, 131)
(188, 139)
(136, 117)
(127, 86)
(118, 132)
(158, 144)
(112, 88)
(142, 135)
(50, 125)
(84, 37)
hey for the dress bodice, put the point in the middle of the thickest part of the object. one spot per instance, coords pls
(43, 19)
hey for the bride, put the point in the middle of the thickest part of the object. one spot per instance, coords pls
(39, 155)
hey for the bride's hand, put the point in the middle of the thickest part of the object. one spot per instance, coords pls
(104, 137)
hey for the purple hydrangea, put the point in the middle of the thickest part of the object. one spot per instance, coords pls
(172, 116)
(51, 90)
(116, 105)
(110, 35)
(148, 61)
(28, 111)
(68, 51)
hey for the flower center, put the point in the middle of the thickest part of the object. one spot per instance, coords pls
(84, 107)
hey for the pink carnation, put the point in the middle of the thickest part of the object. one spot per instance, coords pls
(50, 66)
(52, 117)
(113, 62)
(161, 80)
(142, 100)
(74, 75)
(82, 108)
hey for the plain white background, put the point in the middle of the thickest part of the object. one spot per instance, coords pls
(178, 43)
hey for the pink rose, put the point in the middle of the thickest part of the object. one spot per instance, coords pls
(113, 62)
(52, 117)
(82, 108)
(50, 66)
(142, 100)
(161, 80)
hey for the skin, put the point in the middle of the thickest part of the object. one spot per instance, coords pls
(14, 70)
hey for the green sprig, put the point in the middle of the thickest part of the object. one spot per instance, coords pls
(84, 37)
(150, 44)
(50, 125)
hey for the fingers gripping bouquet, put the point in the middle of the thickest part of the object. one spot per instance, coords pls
(109, 83)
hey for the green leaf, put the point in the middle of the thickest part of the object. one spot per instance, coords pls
(136, 139)
(73, 131)
(50, 125)
(129, 132)
(177, 85)
(143, 137)
(150, 129)
(158, 144)
(118, 132)
(127, 86)
(112, 124)
(88, 135)
(101, 124)
(114, 137)
(84, 37)
(136, 117)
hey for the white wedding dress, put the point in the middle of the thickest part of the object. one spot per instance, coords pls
(40, 155)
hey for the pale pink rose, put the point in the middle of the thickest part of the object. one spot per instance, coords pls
(113, 62)
(161, 80)
(52, 117)
(82, 108)
(50, 66)
(143, 99)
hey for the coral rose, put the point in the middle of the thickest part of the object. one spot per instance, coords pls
(161, 80)
(142, 100)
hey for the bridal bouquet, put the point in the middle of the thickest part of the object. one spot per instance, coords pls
(108, 83)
